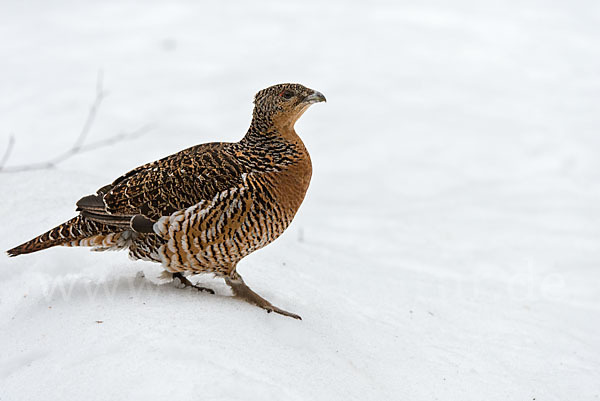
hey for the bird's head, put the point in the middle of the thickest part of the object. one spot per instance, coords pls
(283, 104)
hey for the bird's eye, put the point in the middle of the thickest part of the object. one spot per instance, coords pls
(287, 94)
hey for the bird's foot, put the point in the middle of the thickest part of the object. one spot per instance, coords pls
(241, 290)
(187, 283)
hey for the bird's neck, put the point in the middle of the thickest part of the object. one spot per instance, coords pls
(265, 127)
(265, 130)
(277, 144)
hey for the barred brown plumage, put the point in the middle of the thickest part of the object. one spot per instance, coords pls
(207, 207)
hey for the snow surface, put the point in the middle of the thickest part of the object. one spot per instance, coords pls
(448, 248)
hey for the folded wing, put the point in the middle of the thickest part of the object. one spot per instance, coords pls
(139, 198)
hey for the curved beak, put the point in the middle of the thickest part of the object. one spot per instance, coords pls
(314, 97)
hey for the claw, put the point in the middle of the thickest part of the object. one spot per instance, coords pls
(286, 313)
(204, 289)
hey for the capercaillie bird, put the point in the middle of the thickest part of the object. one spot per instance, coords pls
(205, 208)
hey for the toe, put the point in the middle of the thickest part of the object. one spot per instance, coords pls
(285, 313)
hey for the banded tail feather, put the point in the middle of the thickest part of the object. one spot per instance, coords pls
(76, 229)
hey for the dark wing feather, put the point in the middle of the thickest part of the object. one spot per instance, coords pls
(162, 187)
(92, 203)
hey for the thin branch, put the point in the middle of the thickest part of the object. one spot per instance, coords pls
(79, 146)
(120, 137)
(9, 148)
(89, 121)
(126, 136)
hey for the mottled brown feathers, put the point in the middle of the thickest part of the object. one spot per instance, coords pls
(208, 206)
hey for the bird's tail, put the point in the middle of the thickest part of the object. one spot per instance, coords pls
(68, 233)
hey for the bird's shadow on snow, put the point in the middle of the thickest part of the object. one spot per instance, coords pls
(74, 288)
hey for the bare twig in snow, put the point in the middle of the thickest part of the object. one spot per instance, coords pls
(89, 121)
(11, 144)
(79, 146)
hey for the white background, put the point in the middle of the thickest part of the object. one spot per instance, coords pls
(448, 247)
